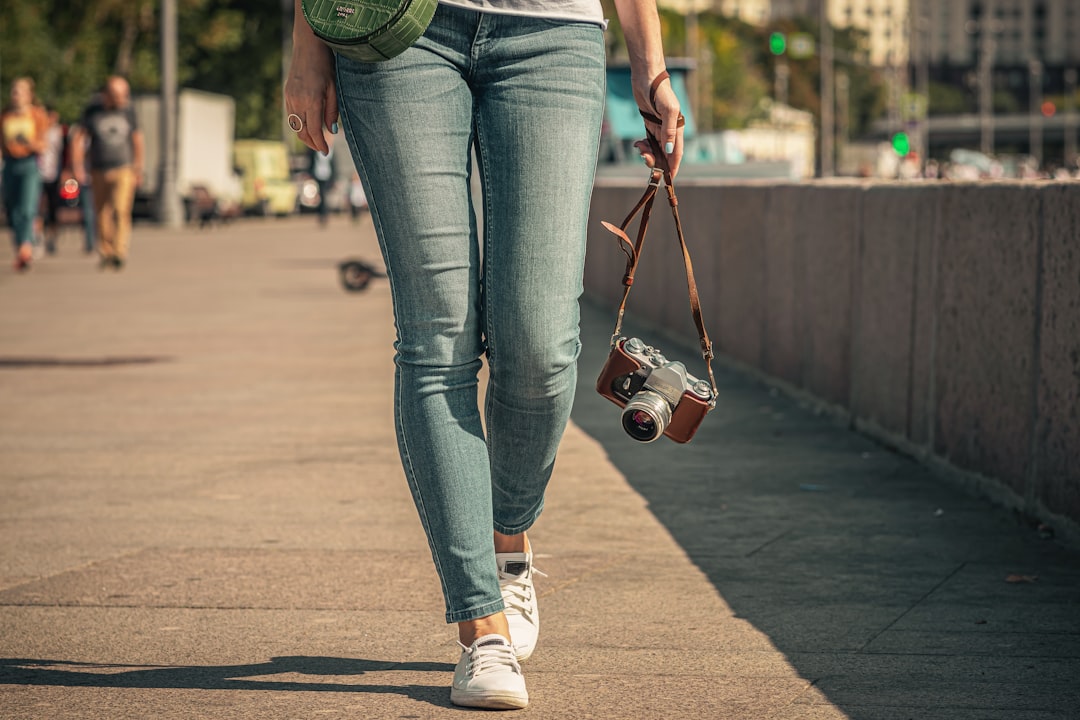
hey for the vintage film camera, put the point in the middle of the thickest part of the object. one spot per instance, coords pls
(658, 396)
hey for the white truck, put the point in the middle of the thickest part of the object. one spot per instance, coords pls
(205, 176)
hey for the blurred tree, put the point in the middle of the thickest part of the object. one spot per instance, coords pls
(234, 47)
(948, 100)
(867, 93)
(736, 84)
(69, 47)
(1006, 103)
(743, 67)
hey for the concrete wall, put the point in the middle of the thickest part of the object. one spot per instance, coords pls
(943, 318)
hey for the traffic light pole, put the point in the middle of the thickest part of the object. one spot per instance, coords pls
(1070, 118)
(783, 73)
(1036, 117)
(987, 26)
(922, 79)
(828, 160)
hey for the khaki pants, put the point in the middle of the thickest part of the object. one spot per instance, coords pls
(114, 194)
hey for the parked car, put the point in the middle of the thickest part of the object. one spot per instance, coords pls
(264, 173)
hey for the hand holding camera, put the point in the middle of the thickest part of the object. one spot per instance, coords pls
(658, 397)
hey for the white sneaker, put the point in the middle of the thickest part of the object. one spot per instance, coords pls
(488, 676)
(519, 597)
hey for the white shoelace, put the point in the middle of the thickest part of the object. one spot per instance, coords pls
(489, 658)
(518, 591)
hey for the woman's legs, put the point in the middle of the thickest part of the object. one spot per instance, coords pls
(518, 88)
(537, 126)
(409, 122)
(22, 192)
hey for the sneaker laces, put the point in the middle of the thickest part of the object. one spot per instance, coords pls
(490, 656)
(518, 591)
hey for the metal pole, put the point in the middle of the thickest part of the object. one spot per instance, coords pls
(1070, 118)
(1035, 116)
(692, 48)
(922, 79)
(986, 80)
(843, 111)
(704, 119)
(828, 161)
(783, 72)
(169, 210)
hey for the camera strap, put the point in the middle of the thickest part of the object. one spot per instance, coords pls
(660, 174)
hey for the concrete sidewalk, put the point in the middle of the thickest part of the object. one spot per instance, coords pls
(203, 516)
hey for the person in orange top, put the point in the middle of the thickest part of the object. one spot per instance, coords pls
(23, 126)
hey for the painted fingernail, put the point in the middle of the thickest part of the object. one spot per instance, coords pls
(669, 147)
(333, 128)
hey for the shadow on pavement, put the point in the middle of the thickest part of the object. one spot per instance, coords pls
(885, 586)
(18, 671)
(15, 363)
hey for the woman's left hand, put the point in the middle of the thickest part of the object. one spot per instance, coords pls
(669, 133)
(310, 91)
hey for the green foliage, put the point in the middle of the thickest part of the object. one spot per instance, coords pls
(948, 100)
(1006, 103)
(867, 91)
(737, 86)
(69, 47)
(741, 66)
(733, 86)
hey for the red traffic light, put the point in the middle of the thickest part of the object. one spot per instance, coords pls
(1048, 109)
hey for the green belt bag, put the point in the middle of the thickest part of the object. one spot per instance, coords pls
(369, 30)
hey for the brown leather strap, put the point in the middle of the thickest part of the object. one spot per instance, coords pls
(654, 117)
(655, 85)
(632, 250)
(651, 115)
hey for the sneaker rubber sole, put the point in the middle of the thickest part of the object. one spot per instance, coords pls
(489, 700)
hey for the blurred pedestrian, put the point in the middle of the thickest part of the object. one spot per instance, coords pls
(23, 127)
(522, 83)
(323, 168)
(86, 204)
(85, 194)
(109, 135)
(357, 198)
(50, 163)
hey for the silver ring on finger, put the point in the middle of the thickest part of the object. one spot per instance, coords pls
(296, 123)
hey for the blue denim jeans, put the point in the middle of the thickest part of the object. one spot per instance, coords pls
(22, 191)
(528, 95)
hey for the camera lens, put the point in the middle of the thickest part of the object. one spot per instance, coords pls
(646, 416)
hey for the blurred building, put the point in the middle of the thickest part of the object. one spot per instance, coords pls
(1029, 41)
(755, 12)
(885, 23)
(1047, 30)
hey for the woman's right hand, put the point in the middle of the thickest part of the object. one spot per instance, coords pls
(310, 91)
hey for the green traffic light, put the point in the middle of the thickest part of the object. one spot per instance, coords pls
(777, 43)
(901, 144)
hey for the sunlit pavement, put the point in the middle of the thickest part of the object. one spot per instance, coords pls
(203, 516)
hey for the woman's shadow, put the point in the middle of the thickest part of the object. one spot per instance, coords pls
(66, 673)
